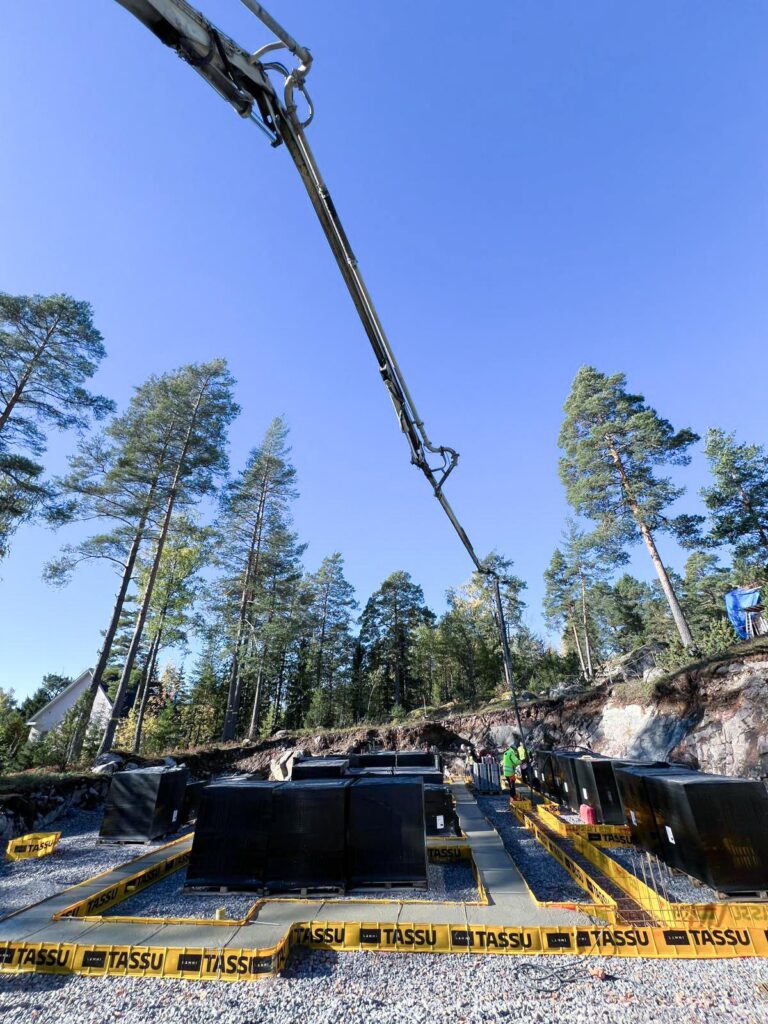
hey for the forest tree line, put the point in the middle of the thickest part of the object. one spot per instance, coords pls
(277, 646)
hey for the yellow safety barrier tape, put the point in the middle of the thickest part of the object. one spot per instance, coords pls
(604, 905)
(602, 835)
(34, 844)
(593, 940)
(121, 890)
(722, 915)
(227, 964)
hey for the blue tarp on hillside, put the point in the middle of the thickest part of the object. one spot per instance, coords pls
(735, 603)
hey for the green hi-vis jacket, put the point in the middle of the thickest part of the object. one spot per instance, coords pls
(510, 761)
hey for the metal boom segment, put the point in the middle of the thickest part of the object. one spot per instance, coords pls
(243, 80)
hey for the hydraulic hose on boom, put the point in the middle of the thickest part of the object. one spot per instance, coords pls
(243, 80)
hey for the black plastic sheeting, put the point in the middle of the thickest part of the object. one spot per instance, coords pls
(429, 776)
(440, 812)
(598, 787)
(143, 804)
(566, 782)
(313, 834)
(712, 827)
(307, 839)
(386, 835)
(230, 845)
(397, 759)
(193, 794)
(319, 768)
(638, 809)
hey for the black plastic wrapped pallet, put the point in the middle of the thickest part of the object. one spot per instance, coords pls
(193, 794)
(538, 758)
(636, 801)
(713, 827)
(229, 848)
(567, 784)
(319, 768)
(381, 759)
(430, 776)
(598, 788)
(386, 833)
(550, 785)
(418, 759)
(143, 804)
(307, 841)
(440, 811)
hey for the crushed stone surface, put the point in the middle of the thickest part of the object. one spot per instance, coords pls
(407, 988)
(544, 876)
(78, 856)
(675, 887)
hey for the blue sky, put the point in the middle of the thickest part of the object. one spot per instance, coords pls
(544, 186)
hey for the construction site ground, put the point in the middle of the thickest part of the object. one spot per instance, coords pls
(612, 952)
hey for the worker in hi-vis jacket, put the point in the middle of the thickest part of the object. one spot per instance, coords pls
(509, 763)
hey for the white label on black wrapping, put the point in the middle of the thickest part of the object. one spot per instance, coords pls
(584, 791)
(174, 816)
(440, 821)
(632, 816)
(670, 837)
(565, 786)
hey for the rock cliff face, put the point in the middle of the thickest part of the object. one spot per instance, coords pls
(712, 715)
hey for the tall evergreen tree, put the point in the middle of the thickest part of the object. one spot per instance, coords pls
(333, 604)
(119, 479)
(738, 501)
(201, 395)
(255, 505)
(49, 350)
(387, 628)
(613, 442)
(172, 610)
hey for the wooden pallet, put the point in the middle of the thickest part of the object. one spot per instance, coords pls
(389, 885)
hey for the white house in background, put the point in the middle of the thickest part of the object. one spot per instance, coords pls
(51, 715)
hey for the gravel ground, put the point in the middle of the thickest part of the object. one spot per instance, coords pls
(403, 988)
(76, 858)
(676, 888)
(546, 879)
(167, 899)
(453, 882)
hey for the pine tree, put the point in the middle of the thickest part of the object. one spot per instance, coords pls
(255, 505)
(613, 443)
(49, 350)
(333, 604)
(387, 627)
(177, 587)
(120, 479)
(201, 396)
(738, 502)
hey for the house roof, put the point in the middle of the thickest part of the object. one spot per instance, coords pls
(82, 680)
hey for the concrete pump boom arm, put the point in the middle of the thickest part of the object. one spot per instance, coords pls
(243, 80)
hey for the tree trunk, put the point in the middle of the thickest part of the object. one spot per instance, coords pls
(578, 647)
(150, 670)
(254, 723)
(109, 732)
(681, 623)
(109, 636)
(24, 379)
(234, 692)
(585, 625)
